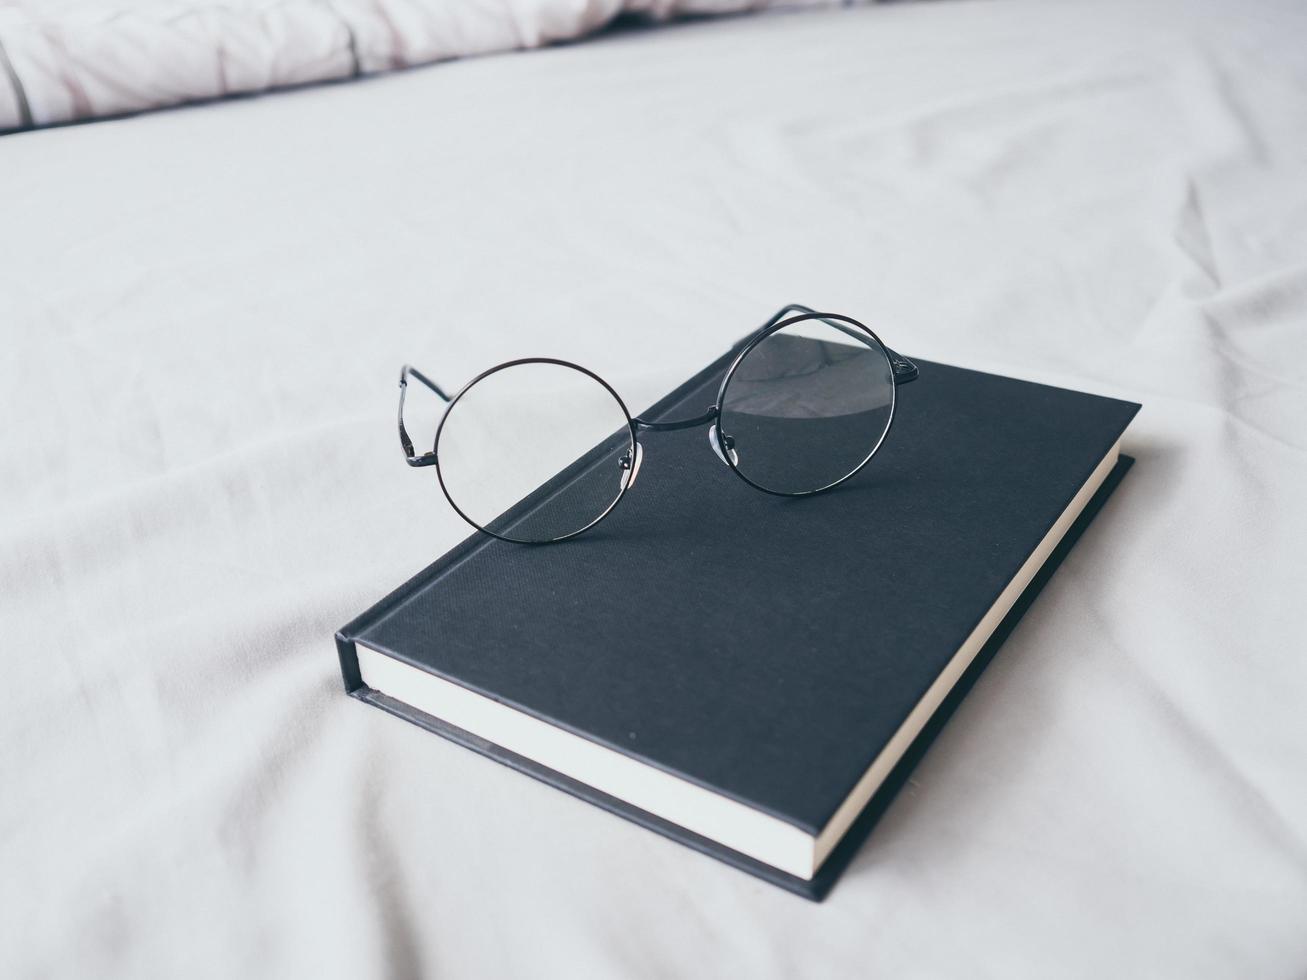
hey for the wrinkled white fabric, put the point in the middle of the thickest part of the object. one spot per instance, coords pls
(64, 60)
(203, 313)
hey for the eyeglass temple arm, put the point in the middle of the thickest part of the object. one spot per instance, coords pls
(904, 370)
(410, 457)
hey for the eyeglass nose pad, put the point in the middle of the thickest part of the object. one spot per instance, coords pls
(718, 441)
(630, 470)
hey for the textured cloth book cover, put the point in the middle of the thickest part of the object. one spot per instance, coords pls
(767, 649)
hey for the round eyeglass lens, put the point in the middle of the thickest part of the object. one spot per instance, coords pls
(808, 405)
(535, 451)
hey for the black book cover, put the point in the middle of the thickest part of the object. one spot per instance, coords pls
(762, 647)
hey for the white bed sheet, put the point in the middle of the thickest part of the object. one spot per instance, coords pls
(203, 312)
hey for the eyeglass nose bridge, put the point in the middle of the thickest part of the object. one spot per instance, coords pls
(722, 445)
(676, 424)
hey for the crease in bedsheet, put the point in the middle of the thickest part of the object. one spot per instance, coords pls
(246, 790)
(1264, 305)
(988, 137)
(1249, 144)
(144, 495)
(1207, 750)
(394, 917)
(1195, 241)
(120, 545)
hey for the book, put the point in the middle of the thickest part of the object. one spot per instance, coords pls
(751, 675)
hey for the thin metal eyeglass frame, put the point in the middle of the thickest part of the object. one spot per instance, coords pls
(630, 459)
(846, 325)
(902, 371)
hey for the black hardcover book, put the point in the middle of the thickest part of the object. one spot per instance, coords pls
(751, 675)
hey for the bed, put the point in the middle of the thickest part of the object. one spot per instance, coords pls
(203, 312)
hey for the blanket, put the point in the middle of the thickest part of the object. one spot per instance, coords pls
(65, 60)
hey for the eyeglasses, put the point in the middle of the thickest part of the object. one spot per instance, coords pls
(539, 450)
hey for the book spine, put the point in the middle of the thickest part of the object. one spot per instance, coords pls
(349, 663)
